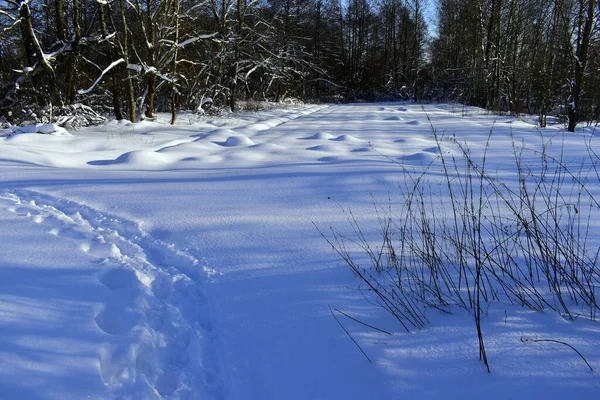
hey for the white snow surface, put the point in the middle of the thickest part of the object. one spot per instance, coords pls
(149, 261)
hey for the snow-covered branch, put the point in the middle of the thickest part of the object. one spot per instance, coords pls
(111, 66)
(11, 17)
(195, 39)
(150, 70)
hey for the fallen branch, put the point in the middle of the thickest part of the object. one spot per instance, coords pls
(525, 340)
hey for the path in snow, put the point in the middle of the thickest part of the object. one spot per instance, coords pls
(160, 334)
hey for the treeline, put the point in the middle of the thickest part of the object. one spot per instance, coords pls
(535, 56)
(136, 57)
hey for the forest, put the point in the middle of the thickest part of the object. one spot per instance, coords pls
(133, 58)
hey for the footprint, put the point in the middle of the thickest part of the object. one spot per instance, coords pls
(98, 247)
(71, 233)
(162, 286)
(166, 256)
(23, 211)
(119, 278)
(116, 321)
(117, 370)
(193, 304)
(145, 360)
(167, 383)
(157, 319)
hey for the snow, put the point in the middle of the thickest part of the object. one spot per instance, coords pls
(151, 261)
(44, 129)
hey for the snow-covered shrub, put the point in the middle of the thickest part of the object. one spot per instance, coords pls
(261, 105)
(42, 129)
(71, 117)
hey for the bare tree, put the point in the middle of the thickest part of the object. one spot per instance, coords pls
(587, 18)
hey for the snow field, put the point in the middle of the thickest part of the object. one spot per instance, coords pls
(195, 269)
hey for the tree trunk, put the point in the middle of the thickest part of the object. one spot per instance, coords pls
(61, 29)
(73, 56)
(151, 45)
(150, 96)
(33, 47)
(174, 92)
(114, 88)
(585, 24)
(125, 54)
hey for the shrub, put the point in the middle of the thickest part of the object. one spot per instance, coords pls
(476, 238)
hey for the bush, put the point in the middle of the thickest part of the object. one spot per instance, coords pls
(477, 238)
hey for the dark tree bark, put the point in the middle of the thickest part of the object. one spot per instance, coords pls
(61, 26)
(174, 90)
(125, 55)
(151, 48)
(584, 33)
(114, 88)
(73, 55)
(35, 54)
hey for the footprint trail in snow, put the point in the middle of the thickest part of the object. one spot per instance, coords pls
(161, 339)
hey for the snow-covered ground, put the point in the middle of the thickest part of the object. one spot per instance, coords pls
(148, 261)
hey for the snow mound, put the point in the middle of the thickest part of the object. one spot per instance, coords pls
(266, 124)
(321, 136)
(224, 132)
(394, 118)
(437, 150)
(347, 138)
(143, 158)
(420, 157)
(218, 136)
(269, 147)
(414, 122)
(44, 129)
(238, 141)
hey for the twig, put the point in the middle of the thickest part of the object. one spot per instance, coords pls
(523, 339)
(362, 323)
(348, 333)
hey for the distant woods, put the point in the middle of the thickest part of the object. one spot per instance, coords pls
(536, 56)
(136, 57)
